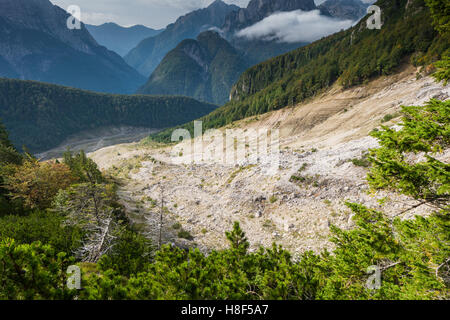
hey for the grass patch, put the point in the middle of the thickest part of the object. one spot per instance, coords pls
(235, 173)
(389, 117)
(362, 162)
(183, 234)
(176, 226)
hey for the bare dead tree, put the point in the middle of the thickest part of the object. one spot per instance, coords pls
(100, 240)
(89, 206)
(161, 217)
(155, 220)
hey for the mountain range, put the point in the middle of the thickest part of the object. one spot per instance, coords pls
(150, 52)
(193, 73)
(120, 39)
(204, 68)
(36, 44)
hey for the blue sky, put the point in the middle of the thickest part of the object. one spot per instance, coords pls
(151, 13)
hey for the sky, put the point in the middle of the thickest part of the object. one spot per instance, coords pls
(155, 14)
(151, 13)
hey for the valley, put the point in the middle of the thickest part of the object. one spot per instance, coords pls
(320, 140)
(95, 139)
(280, 150)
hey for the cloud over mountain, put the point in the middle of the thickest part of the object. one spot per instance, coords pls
(294, 26)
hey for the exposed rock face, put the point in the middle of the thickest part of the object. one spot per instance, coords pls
(204, 69)
(35, 44)
(150, 52)
(257, 10)
(345, 9)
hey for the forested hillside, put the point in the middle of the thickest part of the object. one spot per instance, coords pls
(40, 116)
(150, 51)
(204, 69)
(57, 216)
(348, 58)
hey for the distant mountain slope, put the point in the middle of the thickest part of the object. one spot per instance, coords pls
(345, 9)
(36, 44)
(150, 52)
(120, 39)
(348, 58)
(259, 50)
(205, 69)
(181, 73)
(40, 116)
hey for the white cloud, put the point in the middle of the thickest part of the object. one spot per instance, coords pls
(294, 26)
(152, 13)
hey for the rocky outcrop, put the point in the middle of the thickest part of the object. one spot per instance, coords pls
(257, 10)
(345, 9)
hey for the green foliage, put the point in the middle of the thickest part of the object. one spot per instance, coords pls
(389, 117)
(410, 255)
(85, 169)
(33, 271)
(41, 116)
(443, 69)
(185, 235)
(362, 162)
(8, 156)
(131, 254)
(237, 239)
(8, 153)
(440, 12)
(424, 130)
(179, 74)
(44, 226)
(37, 183)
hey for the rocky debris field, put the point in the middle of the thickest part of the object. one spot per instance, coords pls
(323, 165)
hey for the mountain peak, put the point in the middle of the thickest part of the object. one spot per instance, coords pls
(257, 10)
(150, 52)
(217, 3)
(345, 9)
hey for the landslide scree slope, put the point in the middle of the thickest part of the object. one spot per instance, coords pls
(40, 116)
